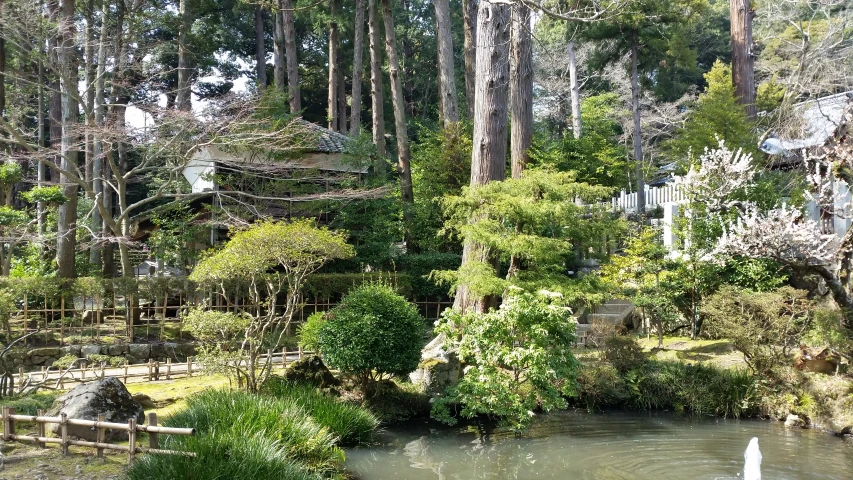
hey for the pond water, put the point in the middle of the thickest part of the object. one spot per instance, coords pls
(608, 446)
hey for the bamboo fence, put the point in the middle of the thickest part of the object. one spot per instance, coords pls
(100, 445)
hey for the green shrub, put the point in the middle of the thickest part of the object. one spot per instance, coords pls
(373, 334)
(600, 385)
(309, 332)
(351, 423)
(32, 403)
(765, 327)
(396, 402)
(697, 389)
(624, 353)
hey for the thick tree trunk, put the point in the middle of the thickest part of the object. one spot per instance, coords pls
(638, 138)
(2, 71)
(743, 62)
(446, 77)
(400, 129)
(98, 148)
(333, 66)
(41, 171)
(408, 52)
(376, 94)
(279, 60)
(357, 69)
(469, 19)
(183, 98)
(576, 94)
(67, 216)
(839, 292)
(89, 110)
(342, 100)
(488, 162)
(260, 49)
(521, 88)
(289, 28)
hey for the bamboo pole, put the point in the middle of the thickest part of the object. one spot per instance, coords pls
(131, 445)
(101, 435)
(63, 428)
(153, 441)
(41, 429)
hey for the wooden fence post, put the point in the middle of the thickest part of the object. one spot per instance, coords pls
(157, 371)
(5, 414)
(300, 352)
(10, 424)
(153, 441)
(189, 367)
(125, 373)
(101, 435)
(83, 370)
(20, 379)
(63, 428)
(150, 366)
(168, 369)
(283, 358)
(41, 430)
(131, 444)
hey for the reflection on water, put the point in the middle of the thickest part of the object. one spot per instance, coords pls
(611, 446)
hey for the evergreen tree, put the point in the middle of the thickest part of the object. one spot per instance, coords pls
(716, 116)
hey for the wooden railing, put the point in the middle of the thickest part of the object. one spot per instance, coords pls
(150, 372)
(100, 426)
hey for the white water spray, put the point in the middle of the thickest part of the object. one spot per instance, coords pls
(752, 461)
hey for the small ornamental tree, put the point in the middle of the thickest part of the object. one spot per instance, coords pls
(519, 359)
(372, 335)
(268, 259)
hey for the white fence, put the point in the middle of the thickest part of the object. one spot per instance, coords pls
(655, 197)
(834, 219)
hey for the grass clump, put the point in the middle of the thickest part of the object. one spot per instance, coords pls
(288, 432)
(351, 423)
(224, 456)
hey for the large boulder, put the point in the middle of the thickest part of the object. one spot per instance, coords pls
(311, 370)
(138, 352)
(86, 401)
(438, 368)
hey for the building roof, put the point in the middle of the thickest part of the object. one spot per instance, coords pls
(821, 118)
(328, 141)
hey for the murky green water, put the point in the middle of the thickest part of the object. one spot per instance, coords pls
(607, 446)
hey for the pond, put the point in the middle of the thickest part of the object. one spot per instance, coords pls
(575, 445)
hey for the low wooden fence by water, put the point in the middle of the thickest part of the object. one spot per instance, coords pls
(57, 379)
(64, 440)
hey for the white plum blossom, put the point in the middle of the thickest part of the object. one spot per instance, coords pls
(719, 173)
(781, 234)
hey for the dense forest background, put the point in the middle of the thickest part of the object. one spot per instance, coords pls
(104, 102)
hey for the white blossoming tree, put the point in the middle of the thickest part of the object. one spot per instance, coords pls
(781, 234)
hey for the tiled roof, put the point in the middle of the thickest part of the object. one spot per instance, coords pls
(327, 140)
(821, 118)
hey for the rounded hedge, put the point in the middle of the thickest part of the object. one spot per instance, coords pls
(373, 333)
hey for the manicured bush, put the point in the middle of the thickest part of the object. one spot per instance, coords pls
(309, 332)
(624, 353)
(373, 334)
